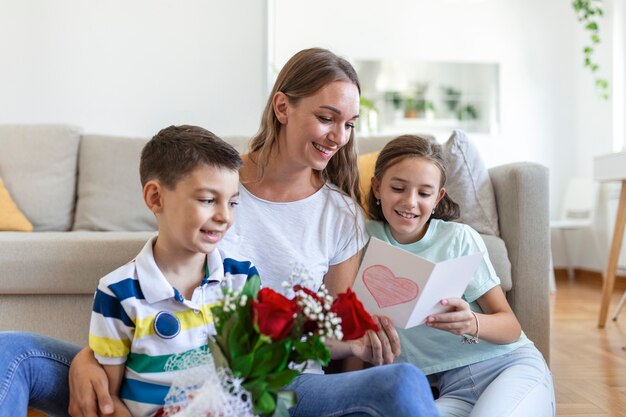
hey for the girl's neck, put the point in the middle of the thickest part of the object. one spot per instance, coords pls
(281, 180)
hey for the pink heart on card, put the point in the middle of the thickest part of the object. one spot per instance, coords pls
(386, 288)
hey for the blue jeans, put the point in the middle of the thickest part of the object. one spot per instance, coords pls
(33, 372)
(517, 384)
(391, 390)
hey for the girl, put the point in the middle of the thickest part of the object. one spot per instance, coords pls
(496, 370)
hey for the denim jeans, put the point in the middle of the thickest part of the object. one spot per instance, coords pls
(396, 390)
(33, 372)
(517, 384)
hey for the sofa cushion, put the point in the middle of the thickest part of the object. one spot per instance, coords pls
(38, 166)
(11, 218)
(62, 262)
(469, 184)
(110, 196)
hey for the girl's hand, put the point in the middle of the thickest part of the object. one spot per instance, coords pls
(380, 347)
(459, 320)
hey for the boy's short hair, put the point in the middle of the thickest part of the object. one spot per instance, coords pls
(177, 150)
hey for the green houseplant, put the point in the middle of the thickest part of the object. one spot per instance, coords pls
(588, 12)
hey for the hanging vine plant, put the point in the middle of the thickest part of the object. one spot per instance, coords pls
(588, 13)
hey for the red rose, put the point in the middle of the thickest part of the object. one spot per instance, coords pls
(274, 314)
(355, 321)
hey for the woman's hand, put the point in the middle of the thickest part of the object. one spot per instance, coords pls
(380, 347)
(89, 387)
(459, 320)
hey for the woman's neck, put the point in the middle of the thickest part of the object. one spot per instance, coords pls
(281, 180)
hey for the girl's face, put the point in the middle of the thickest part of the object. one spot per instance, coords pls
(409, 192)
(316, 127)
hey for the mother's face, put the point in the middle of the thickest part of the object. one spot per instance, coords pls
(315, 127)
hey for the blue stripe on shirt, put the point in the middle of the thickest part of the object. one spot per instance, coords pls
(110, 306)
(126, 289)
(143, 392)
(238, 267)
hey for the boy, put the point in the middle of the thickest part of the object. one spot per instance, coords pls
(159, 304)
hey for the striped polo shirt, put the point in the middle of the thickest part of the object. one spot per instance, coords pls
(141, 321)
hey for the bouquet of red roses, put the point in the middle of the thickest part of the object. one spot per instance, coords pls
(264, 339)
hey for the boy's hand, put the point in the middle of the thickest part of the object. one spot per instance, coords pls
(379, 347)
(89, 387)
(459, 320)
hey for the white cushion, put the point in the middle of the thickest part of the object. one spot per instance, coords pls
(469, 185)
(38, 166)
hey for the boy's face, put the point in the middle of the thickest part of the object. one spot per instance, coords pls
(195, 215)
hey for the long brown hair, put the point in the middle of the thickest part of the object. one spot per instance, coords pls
(412, 146)
(303, 75)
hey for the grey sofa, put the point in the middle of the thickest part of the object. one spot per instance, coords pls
(82, 194)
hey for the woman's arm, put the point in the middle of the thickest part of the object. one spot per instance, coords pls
(89, 387)
(340, 277)
(115, 374)
(497, 323)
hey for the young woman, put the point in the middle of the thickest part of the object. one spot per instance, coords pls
(299, 185)
(497, 371)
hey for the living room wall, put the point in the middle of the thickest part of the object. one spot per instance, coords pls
(132, 67)
(550, 112)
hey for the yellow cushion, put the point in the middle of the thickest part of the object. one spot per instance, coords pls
(35, 413)
(367, 163)
(11, 218)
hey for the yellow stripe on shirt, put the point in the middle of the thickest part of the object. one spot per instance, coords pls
(188, 320)
(108, 347)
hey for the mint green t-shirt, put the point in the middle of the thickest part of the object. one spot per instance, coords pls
(434, 350)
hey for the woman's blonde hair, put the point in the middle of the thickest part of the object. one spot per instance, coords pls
(412, 146)
(303, 75)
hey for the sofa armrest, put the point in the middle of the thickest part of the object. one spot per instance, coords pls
(522, 200)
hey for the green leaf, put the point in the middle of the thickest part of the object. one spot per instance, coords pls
(265, 404)
(311, 350)
(238, 339)
(218, 355)
(252, 286)
(271, 357)
(255, 387)
(282, 378)
(242, 365)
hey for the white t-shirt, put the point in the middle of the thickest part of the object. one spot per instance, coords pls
(314, 233)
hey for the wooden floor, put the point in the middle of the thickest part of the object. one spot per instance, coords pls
(588, 363)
